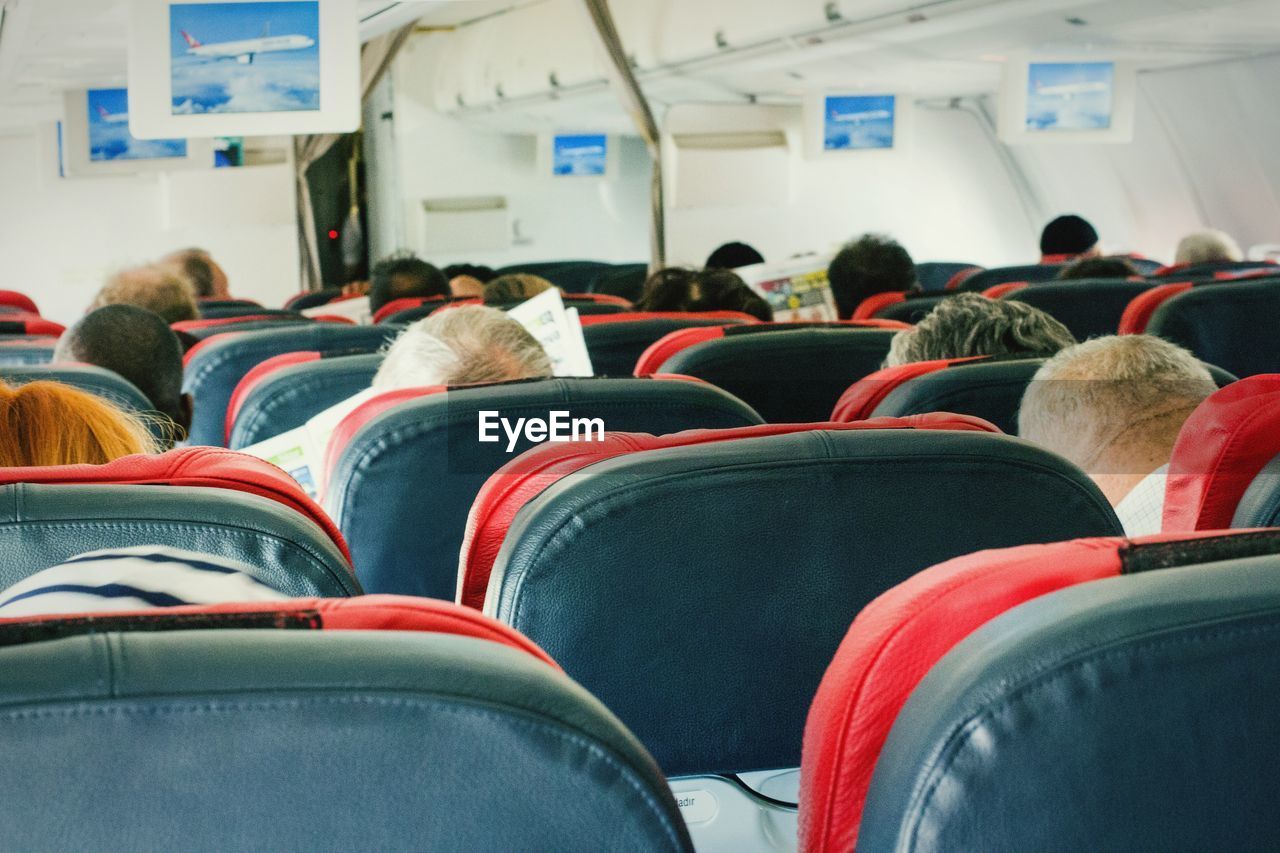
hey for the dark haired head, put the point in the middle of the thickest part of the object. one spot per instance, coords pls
(402, 276)
(1068, 235)
(677, 289)
(480, 273)
(730, 256)
(1098, 268)
(871, 264)
(206, 277)
(138, 345)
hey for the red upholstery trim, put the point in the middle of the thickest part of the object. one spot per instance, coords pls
(256, 375)
(1266, 269)
(658, 352)
(194, 325)
(1227, 440)
(892, 645)
(19, 300)
(598, 298)
(526, 476)
(871, 306)
(189, 467)
(640, 316)
(999, 290)
(1059, 259)
(397, 305)
(205, 342)
(363, 414)
(862, 397)
(363, 613)
(961, 276)
(332, 318)
(38, 326)
(1137, 314)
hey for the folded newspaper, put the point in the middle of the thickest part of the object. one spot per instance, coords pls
(300, 452)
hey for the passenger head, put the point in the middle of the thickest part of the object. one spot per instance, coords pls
(48, 423)
(515, 287)
(1207, 247)
(871, 264)
(969, 324)
(1069, 236)
(403, 276)
(1098, 268)
(1114, 406)
(139, 346)
(468, 280)
(158, 288)
(730, 256)
(462, 346)
(206, 277)
(678, 289)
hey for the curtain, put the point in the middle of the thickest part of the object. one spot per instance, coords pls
(375, 60)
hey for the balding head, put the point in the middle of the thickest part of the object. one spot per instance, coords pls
(207, 278)
(158, 288)
(137, 345)
(1207, 247)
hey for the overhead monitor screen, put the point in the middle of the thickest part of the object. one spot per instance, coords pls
(582, 154)
(109, 137)
(858, 122)
(1065, 96)
(244, 57)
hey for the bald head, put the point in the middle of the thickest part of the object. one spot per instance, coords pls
(207, 278)
(160, 289)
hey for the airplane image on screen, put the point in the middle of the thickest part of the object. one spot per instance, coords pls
(245, 50)
(111, 118)
(1070, 90)
(860, 117)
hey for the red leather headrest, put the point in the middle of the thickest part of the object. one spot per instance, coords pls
(959, 278)
(896, 640)
(1220, 449)
(19, 300)
(872, 305)
(363, 613)
(366, 412)
(29, 324)
(195, 325)
(395, 306)
(862, 397)
(1137, 314)
(256, 375)
(526, 476)
(998, 290)
(189, 467)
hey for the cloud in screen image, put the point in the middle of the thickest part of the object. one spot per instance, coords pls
(858, 122)
(580, 155)
(245, 57)
(1070, 95)
(109, 137)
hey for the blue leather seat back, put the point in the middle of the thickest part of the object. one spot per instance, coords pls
(700, 592)
(914, 309)
(291, 396)
(1232, 325)
(96, 380)
(787, 375)
(625, 280)
(26, 349)
(42, 525)
(248, 325)
(213, 373)
(989, 390)
(242, 739)
(402, 488)
(980, 281)
(616, 347)
(934, 275)
(1260, 504)
(1133, 713)
(223, 311)
(1090, 308)
(1209, 269)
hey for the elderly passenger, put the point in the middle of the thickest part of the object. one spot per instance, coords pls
(1207, 247)
(968, 324)
(159, 288)
(462, 346)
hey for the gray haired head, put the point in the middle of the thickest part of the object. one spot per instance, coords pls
(968, 324)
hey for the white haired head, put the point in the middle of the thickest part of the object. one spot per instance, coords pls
(1207, 247)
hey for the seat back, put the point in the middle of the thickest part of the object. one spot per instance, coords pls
(788, 375)
(96, 380)
(570, 276)
(898, 637)
(29, 325)
(1227, 324)
(934, 275)
(296, 388)
(988, 389)
(14, 299)
(316, 725)
(616, 341)
(26, 349)
(201, 329)
(733, 569)
(1213, 268)
(1096, 715)
(238, 310)
(862, 397)
(215, 367)
(1089, 308)
(912, 308)
(984, 279)
(313, 298)
(625, 280)
(407, 465)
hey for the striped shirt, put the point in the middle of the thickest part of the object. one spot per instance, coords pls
(136, 578)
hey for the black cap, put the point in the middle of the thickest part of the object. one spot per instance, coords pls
(1068, 235)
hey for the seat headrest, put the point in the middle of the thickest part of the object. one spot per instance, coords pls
(259, 372)
(34, 326)
(1220, 323)
(733, 569)
(20, 301)
(617, 341)
(983, 279)
(30, 349)
(96, 380)
(1088, 308)
(1096, 712)
(1137, 314)
(862, 397)
(991, 389)
(521, 480)
(898, 637)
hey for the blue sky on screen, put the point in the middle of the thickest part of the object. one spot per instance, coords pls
(857, 122)
(1070, 95)
(109, 137)
(252, 82)
(580, 154)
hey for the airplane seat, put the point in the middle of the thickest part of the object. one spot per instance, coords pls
(912, 308)
(896, 639)
(197, 498)
(789, 373)
(411, 310)
(240, 310)
(26, 325)
(1137, 314)
(389, 313)
(700, 591)
(624, 280)
(1220, 452)
(615, 342)
(314, 724)
(1089, 308)
(1032, 273)
(215, 366)
(1212, 268)
(26, 349)
(313, 298)
(862, 397)
(405, 467)
(1121, 714)
(569, 276)
(1144, 266)
(284, 392)
(97, 381)
(996, 291)
(958, 278)
(934, 275)
(1223, 324)
(876, 302)
(20, 301)
(201, 329)
(990, 389)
